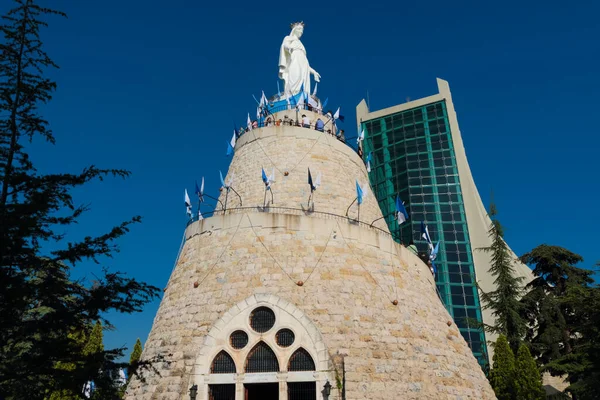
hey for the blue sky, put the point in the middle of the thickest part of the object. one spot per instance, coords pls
(155, 87)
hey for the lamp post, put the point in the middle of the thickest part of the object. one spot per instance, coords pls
(326, 390)
(193, 392)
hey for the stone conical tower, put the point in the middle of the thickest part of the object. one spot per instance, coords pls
(273, 298)
(333, 282)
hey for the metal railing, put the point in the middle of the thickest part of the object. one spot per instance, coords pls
(268, 119)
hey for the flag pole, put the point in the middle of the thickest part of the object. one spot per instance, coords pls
(226, 196)
(238, 195)
(385, 216)
(348, 209)
(214, 198)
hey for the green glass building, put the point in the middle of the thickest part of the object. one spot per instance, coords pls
(417, 153)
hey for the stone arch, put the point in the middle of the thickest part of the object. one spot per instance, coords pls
(223, 364)
(300, 361)
(217, 338)
(261, 359)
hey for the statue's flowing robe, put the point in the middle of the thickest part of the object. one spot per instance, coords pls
(293, 66)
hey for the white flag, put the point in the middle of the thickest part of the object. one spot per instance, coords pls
(337, 114)
(360, 137)
(249, 123)
(188, 204)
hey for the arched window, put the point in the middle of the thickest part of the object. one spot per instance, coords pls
(262, 359)
(222, 364)
(301, 361)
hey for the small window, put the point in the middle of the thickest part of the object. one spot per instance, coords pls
(222, 364)
(301, 361)
(262, 359)
(285, 338)
(238, 339)
(262, 319)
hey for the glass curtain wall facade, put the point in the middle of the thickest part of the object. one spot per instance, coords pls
(413, 156)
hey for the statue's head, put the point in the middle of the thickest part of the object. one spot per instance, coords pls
(297, 29)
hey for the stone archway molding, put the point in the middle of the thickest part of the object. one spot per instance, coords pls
(222, 326)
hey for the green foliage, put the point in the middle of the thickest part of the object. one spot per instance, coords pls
(40, 305)
(504, 300)
(547, 305)
(95, 342)
(564, 309)
(502, 376)
(528, 378)
(582, 364)
(136, 354)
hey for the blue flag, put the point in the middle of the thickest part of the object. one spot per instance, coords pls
(325, 104)
(222, 181)
(401, 214)
(359, 194)
(264, 177)
(434, 252)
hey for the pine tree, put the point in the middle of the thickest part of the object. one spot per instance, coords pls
(504, 301)
(528, 378)
(502, 375)
(40, 305)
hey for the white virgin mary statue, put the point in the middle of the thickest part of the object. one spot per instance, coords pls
(293, 64)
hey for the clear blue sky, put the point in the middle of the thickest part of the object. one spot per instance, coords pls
(154, 87)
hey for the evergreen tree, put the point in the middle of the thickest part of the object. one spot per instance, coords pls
(136, 354)
(504, 300)
(564, 310)
(502, 375)
(40, 305)
(582, 364)
(547, 305)
(528, 378)
(134, 359)
(95, 342)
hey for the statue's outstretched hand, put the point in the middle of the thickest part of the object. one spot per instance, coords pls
(317, 76)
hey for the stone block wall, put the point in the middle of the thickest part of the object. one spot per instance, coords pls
(294, 150)
(351, 276)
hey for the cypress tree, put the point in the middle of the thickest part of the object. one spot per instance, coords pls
(504, 301)
(134, 359)
(528, 378)
(502, 375)
(40, 305)
(137, 352)
(95, 342)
